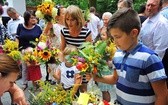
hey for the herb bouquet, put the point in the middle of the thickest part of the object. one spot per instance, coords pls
(90, 58)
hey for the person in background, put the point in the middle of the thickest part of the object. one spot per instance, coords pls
(106, 17)
(164, 12)
(164, 8)
(94, 23)
(26, 33)
(16, 19)
(9, 71)
(3, 31)
(74, 33)
(154, 30)
(142, 13)
(139, 73)
(5, 17)
(105, 88)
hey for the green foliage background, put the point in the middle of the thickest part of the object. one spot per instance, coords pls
(101, 5)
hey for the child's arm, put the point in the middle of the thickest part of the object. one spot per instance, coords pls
(109, 79)
(161, 92)
(78, 81)
(57, 75)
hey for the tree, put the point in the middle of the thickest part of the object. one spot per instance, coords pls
(1, 2)
(93, 3)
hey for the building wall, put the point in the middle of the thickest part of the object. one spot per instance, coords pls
(19, 5)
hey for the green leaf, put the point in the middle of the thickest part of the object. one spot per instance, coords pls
(100, 48)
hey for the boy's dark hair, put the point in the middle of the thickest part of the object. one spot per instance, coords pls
(125, 19)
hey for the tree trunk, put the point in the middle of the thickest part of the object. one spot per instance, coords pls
(92, 3)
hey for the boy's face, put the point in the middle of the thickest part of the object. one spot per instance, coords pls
(124, 41)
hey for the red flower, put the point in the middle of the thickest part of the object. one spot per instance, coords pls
(105, 102)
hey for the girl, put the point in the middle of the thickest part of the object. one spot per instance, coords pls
(68, 74)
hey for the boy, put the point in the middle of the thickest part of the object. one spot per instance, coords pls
(139, 76)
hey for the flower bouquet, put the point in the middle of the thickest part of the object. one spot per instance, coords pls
(46, 11)
(90, 58)
(56, 95)
(43, 53)
(51, 95)
(30, 56)
(11, 48)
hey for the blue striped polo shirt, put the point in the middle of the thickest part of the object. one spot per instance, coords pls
(136, 70)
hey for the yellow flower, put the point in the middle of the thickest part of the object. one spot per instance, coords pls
(46, 11)
(45, 55)
(16, 55)
(10, 45)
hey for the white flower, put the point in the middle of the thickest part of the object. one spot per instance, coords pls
(42, 45)
(54, 12)
(39, 14)
(29, 50)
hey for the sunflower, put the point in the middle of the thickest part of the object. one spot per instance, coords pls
(45, 55)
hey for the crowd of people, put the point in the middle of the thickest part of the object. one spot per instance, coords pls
(138, 69)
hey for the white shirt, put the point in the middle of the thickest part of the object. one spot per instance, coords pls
(13, 24)
(154, 34)
(5, 7)
(67, 75)
(94, 25)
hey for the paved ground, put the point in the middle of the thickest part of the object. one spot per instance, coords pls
(6, 98)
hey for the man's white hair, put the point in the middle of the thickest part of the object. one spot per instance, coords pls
(108, 14)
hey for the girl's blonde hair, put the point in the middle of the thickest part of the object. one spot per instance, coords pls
(76, 13)
(68, 49)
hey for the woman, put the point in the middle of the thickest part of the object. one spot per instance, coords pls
(75, 33)
(26, 33)
(9, 71)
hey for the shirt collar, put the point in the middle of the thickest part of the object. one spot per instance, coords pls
(154, 18)
(133, 51)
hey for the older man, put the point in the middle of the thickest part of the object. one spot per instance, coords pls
(106, 17)
(154, 31)
(13, 23)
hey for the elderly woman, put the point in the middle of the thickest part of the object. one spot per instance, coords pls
(9, 71)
